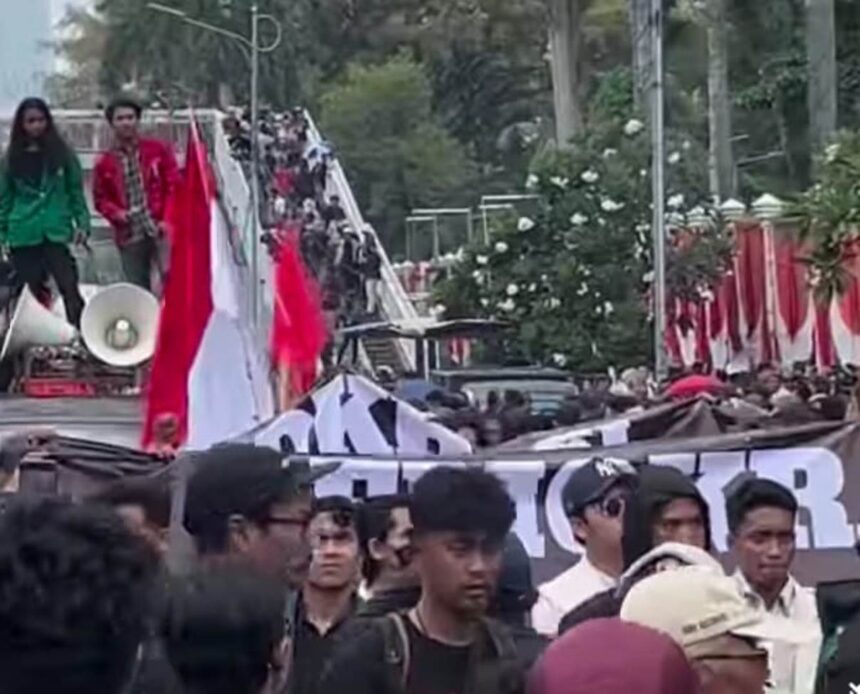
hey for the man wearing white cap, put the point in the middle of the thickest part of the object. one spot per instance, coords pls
(727, 642)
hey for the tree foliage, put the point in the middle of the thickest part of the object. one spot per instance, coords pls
(397, 154)
(573, 277)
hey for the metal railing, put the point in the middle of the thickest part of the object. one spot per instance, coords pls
(394, 301)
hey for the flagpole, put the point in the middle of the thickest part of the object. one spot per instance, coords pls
(658, 183)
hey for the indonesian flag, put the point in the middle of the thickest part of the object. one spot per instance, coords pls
(202, 387)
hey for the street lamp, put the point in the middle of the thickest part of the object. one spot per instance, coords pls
(252, 49)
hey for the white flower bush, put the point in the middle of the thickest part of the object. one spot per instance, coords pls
(609, 205)
(559, 360)
(674, 158)
(578, 219)
(633, 127)
(507, 305)
(590, 176)
(525, 224)
(609, 152)
(554, 302)
(501, 247)
(532, 181)
(608, 308)
(559, 182)
(481, 259)
(512, 289)
(676, 201)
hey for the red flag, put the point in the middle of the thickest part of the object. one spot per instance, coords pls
(187, 302)
(299, 332)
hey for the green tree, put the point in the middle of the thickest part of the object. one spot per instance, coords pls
(573, 277)
(82, 46)
(397, 154)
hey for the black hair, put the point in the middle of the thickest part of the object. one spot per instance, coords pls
(754, 493)
(57, 153)
(75, 598)
(374, 523)
(123, 101)
(152, 495)
(462, 500)
(221, 630)
(342, 510)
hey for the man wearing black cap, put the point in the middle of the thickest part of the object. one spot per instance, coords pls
(244, 502)
(594, 499)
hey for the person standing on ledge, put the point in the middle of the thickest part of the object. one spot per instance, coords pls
(133, 183)
(42, 205)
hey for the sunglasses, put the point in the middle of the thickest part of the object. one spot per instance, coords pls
(612, 507)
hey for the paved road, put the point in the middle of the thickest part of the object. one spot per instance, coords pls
(112, 420)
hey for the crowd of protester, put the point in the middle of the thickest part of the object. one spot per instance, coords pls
(425, 592)
(764, 398)
(298, 200)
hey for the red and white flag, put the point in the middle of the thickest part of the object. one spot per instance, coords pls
(205, 384)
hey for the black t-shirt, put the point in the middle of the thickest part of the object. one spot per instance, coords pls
(360, 667)
(311, 652)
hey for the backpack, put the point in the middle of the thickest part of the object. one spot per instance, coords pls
(502, 675)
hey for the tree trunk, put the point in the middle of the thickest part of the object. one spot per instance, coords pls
(720, 160)
(639, 16)
(565, 46)
(821, 59)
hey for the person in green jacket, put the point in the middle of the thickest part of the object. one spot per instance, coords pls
(42, 205)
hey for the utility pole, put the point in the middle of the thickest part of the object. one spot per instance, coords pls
(255, 165)
(658, 187)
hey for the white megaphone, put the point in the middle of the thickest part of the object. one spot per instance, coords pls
(34, 325)
(119, 325)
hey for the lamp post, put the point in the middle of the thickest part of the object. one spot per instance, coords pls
(252, 49)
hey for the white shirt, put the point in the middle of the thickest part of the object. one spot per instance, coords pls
(792, 667)
(568, 590)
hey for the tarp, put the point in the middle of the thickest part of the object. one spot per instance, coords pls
(353, 415)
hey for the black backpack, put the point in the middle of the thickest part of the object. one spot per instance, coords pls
(501, 673)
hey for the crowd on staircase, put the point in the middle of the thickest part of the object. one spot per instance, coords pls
(298, 201)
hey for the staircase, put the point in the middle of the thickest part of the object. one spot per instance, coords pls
(395, 304)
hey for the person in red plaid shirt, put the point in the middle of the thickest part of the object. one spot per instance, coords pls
(133, 183)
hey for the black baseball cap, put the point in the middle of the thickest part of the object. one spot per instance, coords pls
(243, 479)
(590, 482)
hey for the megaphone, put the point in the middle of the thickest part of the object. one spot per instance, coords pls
(119, 325)
(33, 324)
